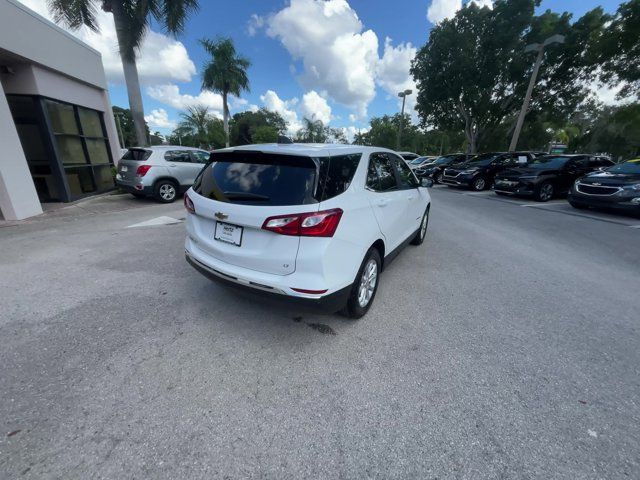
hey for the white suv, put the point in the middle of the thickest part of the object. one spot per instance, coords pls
(312, 223)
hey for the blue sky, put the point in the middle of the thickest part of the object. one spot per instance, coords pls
(341, 61)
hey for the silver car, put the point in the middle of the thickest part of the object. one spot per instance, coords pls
(163, 172)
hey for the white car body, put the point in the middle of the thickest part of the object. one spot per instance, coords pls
(303, 267)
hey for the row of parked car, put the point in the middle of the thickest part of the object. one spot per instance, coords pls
(587, 180)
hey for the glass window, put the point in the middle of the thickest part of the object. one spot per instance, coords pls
(336, 174)
(63, 118)
(406, 176)
(198, 156)
(181, 156)
(384, 172)
(256, 178)
(70, 150)
(580, 162)
(97, 149)
(138, 154)
(90, 122)
(632, 167)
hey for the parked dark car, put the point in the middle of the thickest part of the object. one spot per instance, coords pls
(418, 162)
(617, 187)
(479, 172)
(435, 168)
(548, 176)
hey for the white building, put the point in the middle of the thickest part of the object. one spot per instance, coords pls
(58, 139)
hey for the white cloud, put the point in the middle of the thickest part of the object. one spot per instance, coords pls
(441, 9)
(159, 118)
(351, 131)
(256, 22)
(337, 56)
(286, 108)
(315, 107)
(170, 95)
(393, 73)
(160, 58)
(253, 108)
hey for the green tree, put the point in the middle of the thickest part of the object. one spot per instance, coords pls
(472, 73)
(312, 131)
(131, 19)
(225, 73)
(195, 122)
(245, 125)
(618, 49)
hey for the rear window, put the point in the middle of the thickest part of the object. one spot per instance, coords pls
(138, 154)
(256, 178)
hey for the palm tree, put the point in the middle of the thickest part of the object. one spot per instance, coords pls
(131, 18)
(196, 121)
(225, 73)
(312, 131)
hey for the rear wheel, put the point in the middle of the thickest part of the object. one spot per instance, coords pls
(544, 192)
(165, 191)
(422, 232)
(365, 286)
(479, 184)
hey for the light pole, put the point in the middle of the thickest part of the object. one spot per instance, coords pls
(402, 95)
(534, 47)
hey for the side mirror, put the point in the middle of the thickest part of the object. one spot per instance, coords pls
(426, 182)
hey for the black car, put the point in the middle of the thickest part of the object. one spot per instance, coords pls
(479, 172)
(548, 176)
(435, 168)
(617, 187)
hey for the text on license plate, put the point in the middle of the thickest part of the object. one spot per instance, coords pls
(225, 232)
(123, 168)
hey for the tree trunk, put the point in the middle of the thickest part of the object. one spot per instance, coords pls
(225, 117)
(130, 76)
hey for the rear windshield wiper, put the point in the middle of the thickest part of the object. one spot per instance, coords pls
(245, 196)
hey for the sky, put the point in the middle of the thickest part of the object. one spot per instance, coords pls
(338, 61)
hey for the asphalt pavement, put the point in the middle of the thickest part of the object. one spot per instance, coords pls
(505, 347)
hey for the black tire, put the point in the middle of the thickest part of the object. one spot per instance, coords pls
(579, 206)
(354, 308)
(438, 178)
(544, 192)
(479, 184)
(422, 231)
(165, 191)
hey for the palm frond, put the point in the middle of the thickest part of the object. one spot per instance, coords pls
(174, 13)
(74, 13)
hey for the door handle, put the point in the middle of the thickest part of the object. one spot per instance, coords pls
(172, 164)
(412, 197)
(383, 202)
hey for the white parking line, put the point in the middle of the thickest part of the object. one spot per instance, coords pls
(154, 222)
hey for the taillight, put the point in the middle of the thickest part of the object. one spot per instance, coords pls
(142, 170)
(315, 224)
(188, 204)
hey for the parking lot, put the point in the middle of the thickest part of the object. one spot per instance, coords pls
(506, 346)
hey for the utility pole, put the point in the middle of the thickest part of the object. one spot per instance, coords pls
(402, 95)
(534, 47)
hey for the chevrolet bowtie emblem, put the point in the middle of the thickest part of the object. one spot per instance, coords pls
(221, 216)
(595, 184)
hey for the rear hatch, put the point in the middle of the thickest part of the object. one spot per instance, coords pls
(129, 163)
(234, 196)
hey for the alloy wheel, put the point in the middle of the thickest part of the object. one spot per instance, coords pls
(167, 192)
(546, 192)
(368, 283)
(479, 184)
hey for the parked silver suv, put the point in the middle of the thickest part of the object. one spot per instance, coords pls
(163, 172)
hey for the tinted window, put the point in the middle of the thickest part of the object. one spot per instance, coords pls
(336, 174)
(199, 157)
(256, 178)
(177, 156)
(381, 176)
(138, 154)
(580, 162)
(406, 177)
(484, 159)
(550, 161)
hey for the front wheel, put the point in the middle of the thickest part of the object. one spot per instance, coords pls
(422, 232)
(365, 286)
(438, 178)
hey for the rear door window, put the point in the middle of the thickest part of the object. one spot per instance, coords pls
(198, 156)
(336, 174)
(181, 156)
(257, 178)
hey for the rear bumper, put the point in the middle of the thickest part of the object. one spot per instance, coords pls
(137, 189)
(328, 303)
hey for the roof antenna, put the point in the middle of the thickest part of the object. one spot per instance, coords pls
(284, 139)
